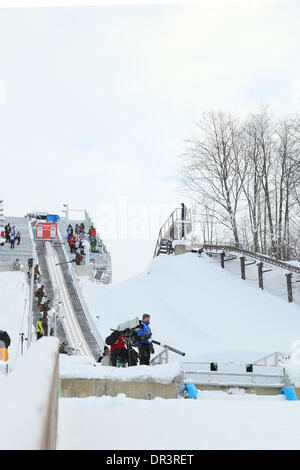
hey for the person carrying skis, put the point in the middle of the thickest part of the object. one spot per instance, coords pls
(144, 345)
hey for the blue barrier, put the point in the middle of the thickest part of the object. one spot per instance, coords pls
(289, 392)
(190, 391)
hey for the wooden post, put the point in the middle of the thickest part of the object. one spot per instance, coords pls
(289, 286)
(260, 276)
(243, 271)
(222, 259)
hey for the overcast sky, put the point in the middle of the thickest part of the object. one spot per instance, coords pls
(96, 103)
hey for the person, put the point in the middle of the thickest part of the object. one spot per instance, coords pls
(12, 237)
(45, 306)
(118, 350)
(72, 244)
(39, 294)
(45, 324)
(36, 273)
(62, 349)
(92, 233)
(105, 357)
(145, 346)
(4, 345)
(18, 238)
(78, 258)
(39, 328)
(69, 232)
(7, 230)
(16, 265)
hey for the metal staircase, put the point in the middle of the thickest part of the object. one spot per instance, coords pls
(176, 227)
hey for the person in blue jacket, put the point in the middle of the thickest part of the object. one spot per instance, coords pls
(144, 345)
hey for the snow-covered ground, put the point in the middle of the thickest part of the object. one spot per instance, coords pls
(199, 308)
(86, 368)
(216, 420)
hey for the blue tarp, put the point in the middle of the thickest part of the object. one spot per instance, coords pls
(52, 218)
(190, 391)
(289, 392)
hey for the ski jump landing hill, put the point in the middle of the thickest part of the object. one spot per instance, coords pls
(225, 325)
(233, 334)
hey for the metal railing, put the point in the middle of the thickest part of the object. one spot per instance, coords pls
(274, 379)
(174, 228)
(273, 359)
(161, 358)
(105, 253)
(240, 249)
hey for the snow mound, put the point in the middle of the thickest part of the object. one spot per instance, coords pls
(85, 368)
(198, 308)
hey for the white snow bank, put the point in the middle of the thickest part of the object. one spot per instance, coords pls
(199, 308)
(87, 368)
(215, 421)
(23, 397)
(13, 290)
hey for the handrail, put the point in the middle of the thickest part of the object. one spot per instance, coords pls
(239, 249)
(165, 229)
(105, 253)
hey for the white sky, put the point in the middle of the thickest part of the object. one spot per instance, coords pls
(97, 101)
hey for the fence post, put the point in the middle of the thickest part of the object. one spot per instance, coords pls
(260, 276)
(289, 286)
(243, 271)
(222, 259)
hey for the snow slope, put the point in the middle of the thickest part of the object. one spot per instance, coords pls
(199, 308)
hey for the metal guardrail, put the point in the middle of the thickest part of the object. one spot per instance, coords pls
(105, 253)
(91, 334)
(239, 249)
(273, 359)
(173, 223)
(161, 358)
(233, 379)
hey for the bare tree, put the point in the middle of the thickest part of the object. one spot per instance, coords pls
(214, 167)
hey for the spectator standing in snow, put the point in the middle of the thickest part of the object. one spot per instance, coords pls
(4, 345)
(105, 357)
(92, 233)
(69, 232)
(144, 345)
(39, 328)
(12, 237)
(72, 244)
(7, 230)
(78, 258)
(16, 265)
(18, 238)
(62, 349)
